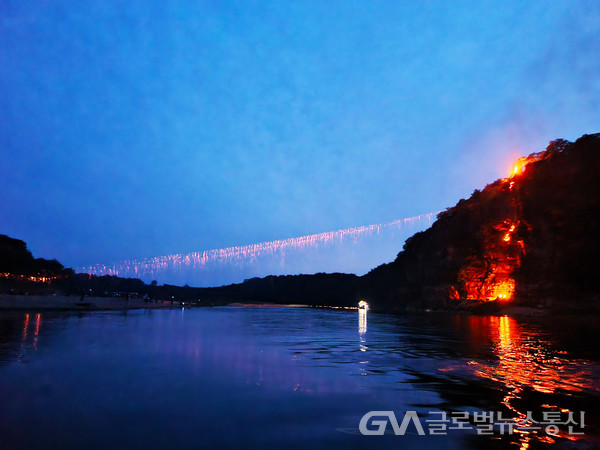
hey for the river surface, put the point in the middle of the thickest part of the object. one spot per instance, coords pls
(287, 377)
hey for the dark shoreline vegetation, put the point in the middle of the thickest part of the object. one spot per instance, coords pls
(526, 242)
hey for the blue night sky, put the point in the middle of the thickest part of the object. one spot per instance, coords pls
(136, 129)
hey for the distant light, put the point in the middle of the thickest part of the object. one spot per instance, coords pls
(363, 305)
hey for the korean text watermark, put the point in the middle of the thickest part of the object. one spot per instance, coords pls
(552, 423)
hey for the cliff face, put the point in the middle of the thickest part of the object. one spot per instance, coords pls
(531, 238)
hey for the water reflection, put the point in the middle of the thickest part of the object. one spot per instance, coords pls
(38, 323)
(527, 361)
(362, 329)
(527, 358)
(255, 375)
(19, 333)
(25, 327)
(362, 321)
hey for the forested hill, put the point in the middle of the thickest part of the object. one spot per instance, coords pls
(531, 238)
(16, 259)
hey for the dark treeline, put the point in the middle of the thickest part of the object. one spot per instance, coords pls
(17, 259)
(24, 274)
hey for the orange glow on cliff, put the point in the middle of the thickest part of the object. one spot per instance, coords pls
(488, 272)
(519, 166)
(515, 171)
(506, 237)
(488, 276)
(503, 290)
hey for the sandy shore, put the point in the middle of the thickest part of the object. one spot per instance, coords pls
(61, 302)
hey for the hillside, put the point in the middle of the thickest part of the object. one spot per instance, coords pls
(17, 263)
(530, 239)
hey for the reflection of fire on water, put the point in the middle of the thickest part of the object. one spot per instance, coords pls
(525, 359)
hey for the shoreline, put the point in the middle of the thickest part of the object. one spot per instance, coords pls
(74, 303)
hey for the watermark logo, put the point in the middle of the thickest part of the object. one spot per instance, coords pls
(552, 423)
(399, 430)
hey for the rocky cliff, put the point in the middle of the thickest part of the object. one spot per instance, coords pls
(531, 238)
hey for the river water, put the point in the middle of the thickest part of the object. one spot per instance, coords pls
(290, 377)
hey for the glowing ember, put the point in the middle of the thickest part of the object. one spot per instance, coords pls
(506, 237)
(453, 293)
(519, 167)
(503, 290)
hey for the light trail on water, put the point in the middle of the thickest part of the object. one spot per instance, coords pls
(149, 268)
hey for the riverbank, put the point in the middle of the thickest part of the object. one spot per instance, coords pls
(73, 303)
